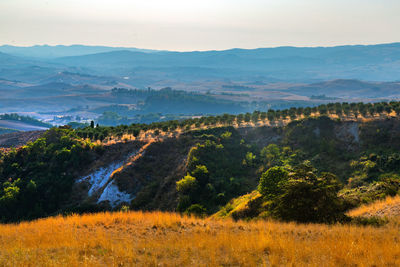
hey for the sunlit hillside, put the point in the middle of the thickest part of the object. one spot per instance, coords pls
(388, 207)
(167, 239)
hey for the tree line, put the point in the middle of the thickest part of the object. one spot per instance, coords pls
(341, 110)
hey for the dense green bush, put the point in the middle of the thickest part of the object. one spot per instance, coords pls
(307, 197)
(187, 184)
(272, 182)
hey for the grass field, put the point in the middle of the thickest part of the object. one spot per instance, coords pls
(167, 239)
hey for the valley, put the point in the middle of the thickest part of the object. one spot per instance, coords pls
(100, 166)
(66, 85)
(199, 133)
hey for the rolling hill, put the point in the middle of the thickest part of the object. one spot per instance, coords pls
(205, 167)
(46, 51)
(283, 63)
(349, 89)
(288, 64)
(10, 123)
(20, 126)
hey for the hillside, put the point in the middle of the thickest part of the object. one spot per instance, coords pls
(283, 187)
(201, 165)
(385, 208)
(17, 139)
(20, 126)
(349, 88)
(7, 130)
(168, 239)
(16, 122)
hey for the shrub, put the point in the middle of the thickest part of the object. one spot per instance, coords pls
(272, 181)
(197, 210)
(186, 184)
(308, 198)
(249, 159)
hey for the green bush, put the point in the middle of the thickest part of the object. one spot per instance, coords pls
(197, 210)
(186, 184)
(272, 181)
(309, 198)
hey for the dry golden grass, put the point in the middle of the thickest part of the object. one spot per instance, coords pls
(167, 239)
(388, 207)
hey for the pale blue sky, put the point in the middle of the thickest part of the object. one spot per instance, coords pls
(199, 24)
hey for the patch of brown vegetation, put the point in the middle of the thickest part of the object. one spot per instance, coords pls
(18, 139)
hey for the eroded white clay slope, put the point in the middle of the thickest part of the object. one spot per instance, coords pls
(98, 180)
(112, 194)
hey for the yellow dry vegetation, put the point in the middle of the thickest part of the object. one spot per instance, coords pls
(237, 205)
(388, 207)
(168, 239)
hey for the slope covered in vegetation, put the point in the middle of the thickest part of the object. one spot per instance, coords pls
(38, 177)
(199, 165)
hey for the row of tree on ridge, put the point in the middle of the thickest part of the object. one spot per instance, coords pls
(273, 117)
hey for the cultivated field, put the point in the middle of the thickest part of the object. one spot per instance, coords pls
(167, 239)
(20, 126)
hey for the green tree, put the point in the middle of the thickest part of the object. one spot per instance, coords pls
(271, 115)
(255, 116)
(202, 175)
(272, 181)
(307, 111)
(249, 159)
(186, 184)
(271, 154)
(309, 198)
(323, 110)
(247, 117)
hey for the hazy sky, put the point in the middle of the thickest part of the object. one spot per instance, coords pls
(199, 24)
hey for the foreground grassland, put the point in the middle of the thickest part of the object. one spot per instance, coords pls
(167, 239)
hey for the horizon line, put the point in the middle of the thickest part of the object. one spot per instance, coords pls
(206, 50)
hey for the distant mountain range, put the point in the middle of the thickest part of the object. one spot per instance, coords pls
(146, 67)
(76, 81)
(47, 51)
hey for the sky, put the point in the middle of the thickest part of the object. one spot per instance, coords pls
(185, 25)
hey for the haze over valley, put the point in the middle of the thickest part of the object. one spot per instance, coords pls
(199, 133)
(60, 84)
